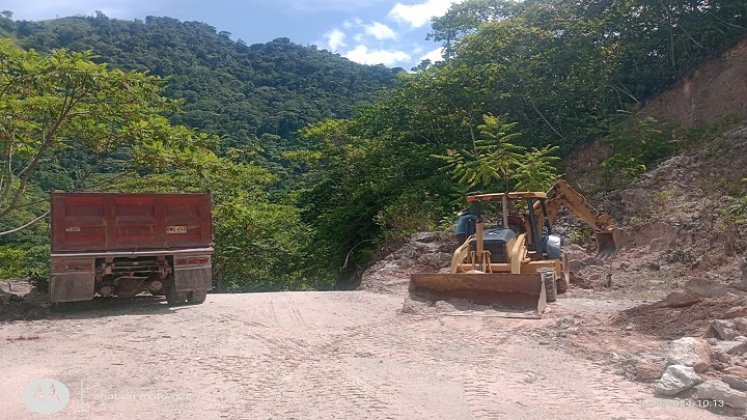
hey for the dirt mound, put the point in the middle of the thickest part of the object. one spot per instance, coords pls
(674, 223)
(20, 299)
(670, 323)
(425, 252)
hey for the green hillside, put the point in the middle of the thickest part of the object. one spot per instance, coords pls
(256, 97)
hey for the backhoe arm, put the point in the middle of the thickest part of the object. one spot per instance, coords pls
(563, 195)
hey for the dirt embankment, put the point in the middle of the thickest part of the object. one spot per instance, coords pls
(715, 90)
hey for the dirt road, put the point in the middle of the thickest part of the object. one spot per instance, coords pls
(335, 355)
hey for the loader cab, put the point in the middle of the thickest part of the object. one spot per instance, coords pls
(525, 213)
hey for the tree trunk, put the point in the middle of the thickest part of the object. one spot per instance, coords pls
(504, 204)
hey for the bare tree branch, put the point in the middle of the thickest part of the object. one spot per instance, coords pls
(347, 257)
(531, 101)
(8, 232)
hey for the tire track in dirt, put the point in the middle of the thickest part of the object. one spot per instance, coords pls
(324, 356)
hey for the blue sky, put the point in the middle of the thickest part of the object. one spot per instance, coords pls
(386, 32)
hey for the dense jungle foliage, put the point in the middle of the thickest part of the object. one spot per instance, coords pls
(313, 172)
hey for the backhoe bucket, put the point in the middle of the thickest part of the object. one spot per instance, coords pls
(513, 293)
(605, 244)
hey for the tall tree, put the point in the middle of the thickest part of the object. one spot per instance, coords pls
(64, 101)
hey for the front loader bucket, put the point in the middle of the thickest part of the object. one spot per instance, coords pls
(605, 244)
(506, 292)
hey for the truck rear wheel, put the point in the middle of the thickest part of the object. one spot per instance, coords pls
(174, 298)
(197, 296)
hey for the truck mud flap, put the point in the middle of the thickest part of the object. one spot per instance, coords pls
(72, 280)
(519, 293)
(193, 272)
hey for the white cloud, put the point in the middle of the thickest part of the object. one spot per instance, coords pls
(434, 56)
(420, 14)
(380, 31)
(334, 39)
(361, 54)
(328, 5)
(348, 24)
(46, 9)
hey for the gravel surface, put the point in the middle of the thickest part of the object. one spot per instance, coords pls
(316, 355)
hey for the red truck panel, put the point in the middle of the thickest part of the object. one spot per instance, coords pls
(130, 222)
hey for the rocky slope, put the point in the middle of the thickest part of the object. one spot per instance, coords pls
(669, 308)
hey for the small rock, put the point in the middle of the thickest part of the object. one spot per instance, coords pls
(735, 382)
(741, 324)
(592, 261)
(691, 351)
(720, 355)
(435, 261)
(733, 346)
(717, 390)
(681, 300)
(424, 237)
(724, 330)
(649, 371)
(719, 366)
(712, 341)
(737, 312)
(739, 371)
(448, 247)
(677, 378)
(405, 263)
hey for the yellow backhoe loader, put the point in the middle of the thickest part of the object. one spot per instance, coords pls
(517, 264)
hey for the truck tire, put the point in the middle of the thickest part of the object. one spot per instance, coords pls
(174, 298)
(196, 297)
(551, 288)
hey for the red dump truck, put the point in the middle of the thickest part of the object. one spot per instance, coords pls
(111, 244)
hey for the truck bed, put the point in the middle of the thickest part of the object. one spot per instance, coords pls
(103, 222)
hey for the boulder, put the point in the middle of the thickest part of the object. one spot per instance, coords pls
(650, 371)
(405, 263)
(733, 346)
(720, 355)
(735, 382)
(435, 261)
(425, 237)
(720, 391)
(741, 324)
(739, 371)
(690, 351)
(724, 330)
(677, 378)
(739, 311)
(681, 300)
(14, 290)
